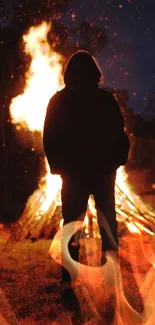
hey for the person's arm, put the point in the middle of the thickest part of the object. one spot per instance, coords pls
(122, 142)
(52, 133)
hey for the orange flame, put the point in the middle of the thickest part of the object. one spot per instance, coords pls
(86, 224)
(51, 187)
(28, 110)
(43, 79)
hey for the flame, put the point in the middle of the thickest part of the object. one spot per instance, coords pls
(28, 110)
(121, 181)
(51, 187)
(123, 287)
(137, 216)
(61, 223)
(132, 228)
(43, 79)
(86, 224)
(91, 205)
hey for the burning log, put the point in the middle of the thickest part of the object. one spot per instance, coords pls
(42, 214)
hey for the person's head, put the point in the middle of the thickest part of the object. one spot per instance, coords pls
(81, 68)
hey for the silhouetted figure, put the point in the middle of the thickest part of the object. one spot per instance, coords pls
(85, 142)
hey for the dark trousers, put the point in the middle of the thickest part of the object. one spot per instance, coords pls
(75, 193)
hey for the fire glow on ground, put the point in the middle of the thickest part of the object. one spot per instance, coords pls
(124, 287)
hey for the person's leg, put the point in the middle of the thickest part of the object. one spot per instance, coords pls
(105, 203)
(74, 205)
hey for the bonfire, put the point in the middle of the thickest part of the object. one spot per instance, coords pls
(42, 212)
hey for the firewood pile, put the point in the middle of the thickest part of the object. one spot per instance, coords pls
(35, 222)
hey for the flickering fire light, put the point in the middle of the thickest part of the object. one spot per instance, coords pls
(86, 224)
(97, 284)
(43, 79)
(121, 287)
(28, 110)
(61, 223)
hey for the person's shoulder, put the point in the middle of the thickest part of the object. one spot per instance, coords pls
(56, 100)
(57, 96)
(108, 94)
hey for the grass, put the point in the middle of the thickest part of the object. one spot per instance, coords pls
(27, 272)
(29, 278)
(29, 282)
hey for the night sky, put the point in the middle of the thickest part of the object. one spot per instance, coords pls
(128, 60)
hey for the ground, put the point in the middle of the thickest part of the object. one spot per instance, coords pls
(26, 273)
(29, 282)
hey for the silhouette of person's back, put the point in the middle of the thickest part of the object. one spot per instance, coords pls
(85, 142)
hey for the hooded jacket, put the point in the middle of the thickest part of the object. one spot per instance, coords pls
(84, 132)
